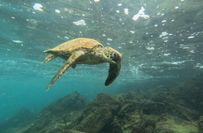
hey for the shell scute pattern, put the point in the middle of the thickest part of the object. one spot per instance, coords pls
(76, 44)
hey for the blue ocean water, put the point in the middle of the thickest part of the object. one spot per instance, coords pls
(159, 40)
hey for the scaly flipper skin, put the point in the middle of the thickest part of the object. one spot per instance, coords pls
(49, 57)
(68, 63)
(114, 69)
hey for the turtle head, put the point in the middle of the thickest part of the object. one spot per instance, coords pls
(113, 55)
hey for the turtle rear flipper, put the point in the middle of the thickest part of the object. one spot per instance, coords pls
(68, 63)
(114, 70)
(49, 57)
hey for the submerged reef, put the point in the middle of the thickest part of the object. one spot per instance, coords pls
(18, 122)
(157, 110)
(56, 117)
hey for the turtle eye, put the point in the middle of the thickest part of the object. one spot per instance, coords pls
(112, 56)
(115, 57)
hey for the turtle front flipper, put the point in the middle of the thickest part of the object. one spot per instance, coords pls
(114, 69)
(69, 62)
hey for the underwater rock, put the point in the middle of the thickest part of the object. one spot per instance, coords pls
(190, 94)
(132, 113)
(73, 131)
(70, 102)
(97, 114)
(153, 105)
(57, 116)
(136, 122)
(140, 114)
(200, 124)
(171, 124)
(158, 110)
(19, 121)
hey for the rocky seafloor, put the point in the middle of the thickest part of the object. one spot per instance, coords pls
(160, 110)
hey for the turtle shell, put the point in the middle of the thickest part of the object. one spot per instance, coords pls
(75, 44)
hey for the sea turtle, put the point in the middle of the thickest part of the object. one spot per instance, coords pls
(85, 51)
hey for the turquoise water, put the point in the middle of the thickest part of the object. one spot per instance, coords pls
(160, 41)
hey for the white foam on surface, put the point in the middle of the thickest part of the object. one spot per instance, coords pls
(140, 14)
(150, 48)
(156, 25)
(17, 41)
(174, 62)
(126, 11)
(57, 11)
(191, 37)
(109, 39)
(164, 21)
(120, 4)
(96, 1)
(104, 35)
(38, 7)
(182, 46)
(167, 54)
(132, 32)
(199, 65)
(163, 34)
(176, 7)
(80, 22)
